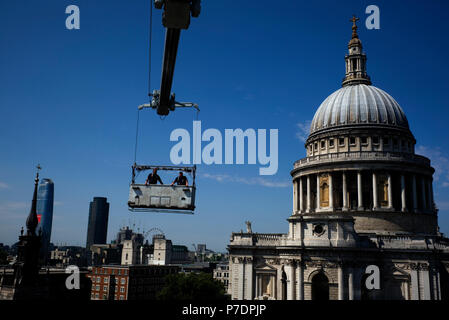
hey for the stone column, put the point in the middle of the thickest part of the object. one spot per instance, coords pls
(291, 288)
(415, 197)
(256, 286)
(437, 285)
(423, 193)
(295, 196)
(331, 193)
(407, 291)
(301, 200)
(425, 276)
(359, 190)
(249, 293)
(317, 192)
(429, 194)
(300, 281)
(308, 194)
(403, 202)
(351, 284)
(341, 284)
(345, 192)
(375, 198)
(390, 192)
(241, 284)
(414, 275)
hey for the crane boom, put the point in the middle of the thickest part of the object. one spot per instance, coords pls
(176, 16)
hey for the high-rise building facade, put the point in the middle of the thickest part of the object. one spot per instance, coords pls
(97, 228)
(45, 198)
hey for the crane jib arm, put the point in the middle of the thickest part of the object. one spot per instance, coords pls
(168, 69)
(176, 16)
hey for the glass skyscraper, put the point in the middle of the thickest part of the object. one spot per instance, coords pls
(45, 198)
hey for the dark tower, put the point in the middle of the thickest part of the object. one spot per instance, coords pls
(26, 268)
(97, 228)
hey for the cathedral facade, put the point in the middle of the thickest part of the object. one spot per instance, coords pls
(363, 207)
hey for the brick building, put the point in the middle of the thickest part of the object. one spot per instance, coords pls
(130, 282)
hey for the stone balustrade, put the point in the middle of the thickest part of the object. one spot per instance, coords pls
(260, 239)
(361, 155)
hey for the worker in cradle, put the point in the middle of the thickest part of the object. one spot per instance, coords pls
(180, 180)
(153, 178)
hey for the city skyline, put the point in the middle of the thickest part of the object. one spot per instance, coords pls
(75, 100)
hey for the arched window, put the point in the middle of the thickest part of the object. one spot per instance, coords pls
(320, 287)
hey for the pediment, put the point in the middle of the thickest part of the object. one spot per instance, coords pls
(263, 266)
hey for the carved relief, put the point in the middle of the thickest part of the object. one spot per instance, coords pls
(291, 262)
(287, 261)
(413, 266)
(403, 266)
(322, 264)
(275, 261)
(243, 259)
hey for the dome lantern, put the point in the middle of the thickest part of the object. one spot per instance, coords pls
(355, 60)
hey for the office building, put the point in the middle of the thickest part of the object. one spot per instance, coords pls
(97, 228)
(131, 282)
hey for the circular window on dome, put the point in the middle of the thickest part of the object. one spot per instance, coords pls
(318, 229)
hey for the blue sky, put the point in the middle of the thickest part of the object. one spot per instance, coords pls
(68, 100)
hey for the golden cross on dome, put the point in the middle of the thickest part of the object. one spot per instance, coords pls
(354, 20)
(354, 26)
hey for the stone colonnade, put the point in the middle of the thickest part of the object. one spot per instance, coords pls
(310, 196)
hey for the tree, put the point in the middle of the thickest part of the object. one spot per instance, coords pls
(193, 286)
